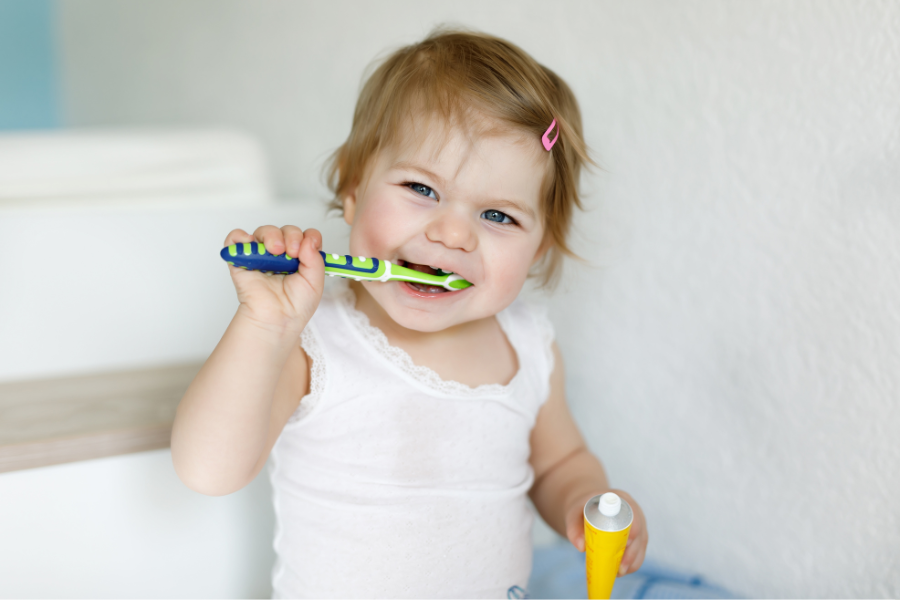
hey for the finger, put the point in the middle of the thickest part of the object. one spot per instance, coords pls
(271, 238)
(633, 550)
(315, 236)
(238, 236)
(636, 564)
(632, 563)
(627, 559)
(293, 237)
(575, 530)
(633, 535)
(312, 267)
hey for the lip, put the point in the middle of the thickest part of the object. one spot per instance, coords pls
(445, 296)
(439, 264)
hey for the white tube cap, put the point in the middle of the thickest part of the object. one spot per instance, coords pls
(610, 504)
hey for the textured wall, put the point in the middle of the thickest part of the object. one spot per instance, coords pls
(734, 351)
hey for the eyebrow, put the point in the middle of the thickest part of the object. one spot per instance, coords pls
(499, 203)
(510, 204)
(408, 166)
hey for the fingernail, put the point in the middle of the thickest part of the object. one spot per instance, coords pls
(622, 569)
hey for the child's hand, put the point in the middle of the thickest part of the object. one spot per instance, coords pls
(637, 536)
(281, 302)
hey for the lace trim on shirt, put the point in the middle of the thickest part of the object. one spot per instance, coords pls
(399, 358)
(310, 344)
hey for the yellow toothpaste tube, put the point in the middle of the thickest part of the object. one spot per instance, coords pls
(607, 520)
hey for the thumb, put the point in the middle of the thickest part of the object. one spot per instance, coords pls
(312, 268)
(575, 530)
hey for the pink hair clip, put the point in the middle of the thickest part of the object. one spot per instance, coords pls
(546, 141)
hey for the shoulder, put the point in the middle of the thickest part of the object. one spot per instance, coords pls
(530, 314)
(530, 321)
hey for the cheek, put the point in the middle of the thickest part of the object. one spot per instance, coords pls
(379, 224)
(509, 265)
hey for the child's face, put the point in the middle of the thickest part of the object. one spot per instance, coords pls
(466, 204)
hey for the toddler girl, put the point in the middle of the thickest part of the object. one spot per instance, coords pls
(408, 425)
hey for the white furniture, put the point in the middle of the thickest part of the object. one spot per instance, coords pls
(110, 262)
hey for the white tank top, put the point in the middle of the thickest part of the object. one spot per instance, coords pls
(390, 482)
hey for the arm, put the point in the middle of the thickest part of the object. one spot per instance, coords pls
(567, 475)
(236, 407)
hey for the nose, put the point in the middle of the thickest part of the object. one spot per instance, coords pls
(453, 230)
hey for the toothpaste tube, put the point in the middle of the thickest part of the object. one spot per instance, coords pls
(607, 520)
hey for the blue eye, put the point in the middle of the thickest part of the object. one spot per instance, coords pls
(497, 217)
(422, 189)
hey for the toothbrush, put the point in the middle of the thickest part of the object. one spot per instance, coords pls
(254, 257)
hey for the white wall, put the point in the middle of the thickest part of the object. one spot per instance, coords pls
(734, 359)
(117, 287)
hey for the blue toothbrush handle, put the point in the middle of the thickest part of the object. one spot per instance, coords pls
(254, 257)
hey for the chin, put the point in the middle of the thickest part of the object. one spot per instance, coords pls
(426, 322)
(423, 325)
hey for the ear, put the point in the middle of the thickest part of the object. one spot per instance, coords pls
(350, 205)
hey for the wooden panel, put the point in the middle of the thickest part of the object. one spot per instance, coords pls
(51, 421)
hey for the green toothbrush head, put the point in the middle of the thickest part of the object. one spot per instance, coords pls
(448, 281)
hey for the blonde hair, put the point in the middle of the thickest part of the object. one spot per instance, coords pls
(449, 74)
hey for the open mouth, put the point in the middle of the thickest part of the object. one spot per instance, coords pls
(421, 287)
